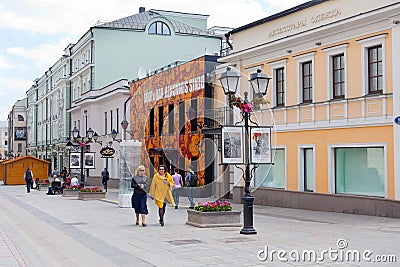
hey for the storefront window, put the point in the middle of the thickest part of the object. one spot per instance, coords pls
(360, 171)
(272, 175)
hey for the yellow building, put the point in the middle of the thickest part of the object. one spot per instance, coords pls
(333, 98)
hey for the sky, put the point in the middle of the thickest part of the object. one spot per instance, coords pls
(34, 33)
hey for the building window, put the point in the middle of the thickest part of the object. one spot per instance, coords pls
(280, 87)
(111, 120)
(117, 117)
(5, 142)
(373, 64)
(20, 118)
(151, 122)
(375, 72)
(338, 75)
(159, 28)
(272, 175)
(181, 117)
(105, 123)
(171, 118)
(336, 71)
(305, 78)
(193, 122)
(308, 169)
(307, 81)
(160, 120)
(19, 148)
(360, 171)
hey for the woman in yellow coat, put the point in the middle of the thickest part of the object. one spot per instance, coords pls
(160, 190)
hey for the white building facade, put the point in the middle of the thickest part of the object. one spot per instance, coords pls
(3, 140)
(17, 129)
(106, 54)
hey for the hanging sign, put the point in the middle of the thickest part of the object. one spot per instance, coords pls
(107, 152)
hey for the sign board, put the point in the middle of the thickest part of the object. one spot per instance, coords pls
(107, 152)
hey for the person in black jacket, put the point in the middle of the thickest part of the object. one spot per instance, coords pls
(105, 176)
(28, 175)
(139, 198)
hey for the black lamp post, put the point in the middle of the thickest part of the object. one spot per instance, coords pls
(259, 82)
(81, 142)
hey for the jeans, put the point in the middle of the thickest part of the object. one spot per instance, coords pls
(175, 195)
(28, 185)
(104, 184)
(190, 196)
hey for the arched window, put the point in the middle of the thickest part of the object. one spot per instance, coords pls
(160, 28)
(20, 118)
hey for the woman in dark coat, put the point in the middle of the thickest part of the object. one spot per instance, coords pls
(139, 197)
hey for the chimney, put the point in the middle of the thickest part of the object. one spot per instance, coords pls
(141, 9)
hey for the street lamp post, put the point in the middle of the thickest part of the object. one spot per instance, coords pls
(81, 142)
(259, 83)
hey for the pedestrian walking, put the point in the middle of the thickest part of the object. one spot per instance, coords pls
(139, 198)
(160, 190)
(177, 186)
(105, 176)
(28, 175)
(191, 181)
(63, 174)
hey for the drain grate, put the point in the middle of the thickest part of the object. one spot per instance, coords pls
(74, 223)
(184, 242)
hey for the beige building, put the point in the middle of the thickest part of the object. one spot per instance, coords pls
(332, 103)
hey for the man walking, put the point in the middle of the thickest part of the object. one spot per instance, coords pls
(191, 181)
(105, 176)
(28, 175)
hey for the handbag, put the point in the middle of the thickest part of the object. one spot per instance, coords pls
(34, 185)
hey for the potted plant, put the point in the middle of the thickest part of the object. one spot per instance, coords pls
(89, 193)
(71, 190)
(213, 214)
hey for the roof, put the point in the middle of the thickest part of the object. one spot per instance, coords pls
(140, 20)
(26, 157)
(278, 15)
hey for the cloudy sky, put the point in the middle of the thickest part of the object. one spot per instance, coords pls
(34, 33)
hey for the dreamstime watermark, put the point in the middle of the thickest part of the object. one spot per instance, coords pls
(339, 254)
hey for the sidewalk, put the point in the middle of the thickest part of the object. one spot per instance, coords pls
(100, 233)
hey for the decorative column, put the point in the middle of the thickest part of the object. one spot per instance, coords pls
(130, 159)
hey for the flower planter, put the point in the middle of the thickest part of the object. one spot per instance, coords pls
(70, 193)
(213, 219)
(91, 195)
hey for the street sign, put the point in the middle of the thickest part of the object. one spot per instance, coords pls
(397, 120)
(107, 152)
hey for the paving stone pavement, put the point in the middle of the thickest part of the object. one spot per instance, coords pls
(41, 230)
